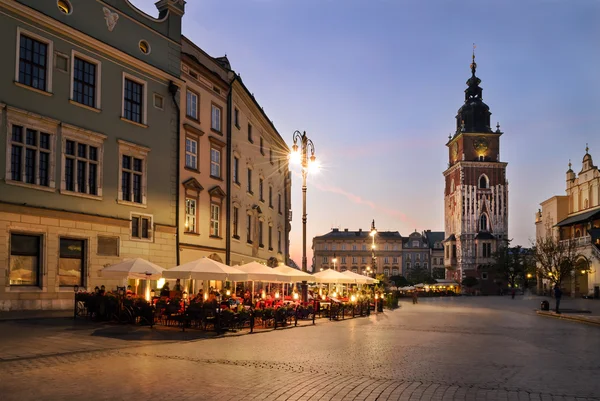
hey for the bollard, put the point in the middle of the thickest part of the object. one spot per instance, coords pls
(252, 321)
(314, 310)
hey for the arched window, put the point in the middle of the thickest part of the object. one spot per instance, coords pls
(484, 182)
(483, 223)
(452, 186)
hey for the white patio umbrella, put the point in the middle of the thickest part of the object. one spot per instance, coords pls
(133, 268)
(330, 276)
(360, 279)
(294, 275)
(205, 269)
(260, 272)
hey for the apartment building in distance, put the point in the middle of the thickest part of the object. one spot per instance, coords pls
(576, 217)
(88, 166)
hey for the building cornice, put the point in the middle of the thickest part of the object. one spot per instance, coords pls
(478, 164)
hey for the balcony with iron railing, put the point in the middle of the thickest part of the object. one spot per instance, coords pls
(579, 241)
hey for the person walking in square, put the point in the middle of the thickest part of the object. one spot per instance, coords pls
(557, 297)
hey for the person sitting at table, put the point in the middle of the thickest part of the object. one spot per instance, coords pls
(177, 286)
(200, 296)
(165, 291)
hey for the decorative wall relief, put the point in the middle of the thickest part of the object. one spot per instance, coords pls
(111, 18)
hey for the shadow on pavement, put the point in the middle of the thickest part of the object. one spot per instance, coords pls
(145, 333)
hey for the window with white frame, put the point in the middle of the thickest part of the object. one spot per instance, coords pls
(324, 260)
(82, 167)
(191, 108)
(343, 247)
(85, 80)
(354, 259)
(325, 247)
(394, 272)
(34, 66)
(386, 272)
(141, 227)
(236, 222)
(386, 260)
(215, 162)
(333, 247)
(343, 259)
(215, 120)
(261, 225)
(190, 215)
(408, 256)
(395, 259)
(191, 153)
(408, 265)
(31, 156)
(415, 244)
(364, 259)
(270, 239)
(132, 172)
(425, 265)
(364, 247)
(354, 247)
(134, 93)
(386, 248)
(215, 216)
(418, 256)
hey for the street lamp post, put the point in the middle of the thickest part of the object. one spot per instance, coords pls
(334, 260)
(373, 263)
(302, 145)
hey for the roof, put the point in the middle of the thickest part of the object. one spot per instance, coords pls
(434, 236)
(484, 235)
(580, 218)
(335, 233)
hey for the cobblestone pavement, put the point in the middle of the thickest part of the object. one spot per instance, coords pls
(444, 349)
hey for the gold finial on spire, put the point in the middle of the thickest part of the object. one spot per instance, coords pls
(473, 63)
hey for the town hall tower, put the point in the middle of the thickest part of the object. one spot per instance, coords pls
(476, 189)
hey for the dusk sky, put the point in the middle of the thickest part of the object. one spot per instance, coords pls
(376, 85)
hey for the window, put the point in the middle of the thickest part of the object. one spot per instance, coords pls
(354, 247)
(131, 179)
(71, 263)
(260, 190)
(144, 47)
(236, 222)
(236, 170)
(30, 156)
(86, 78)
(249, 229)
(215, 214)
(215, 162)
(395, 260)
(192, 105)
(386, 272)
(25, 259)
(190, 215)
(82, 167)
(417, 265)
(425, 265)
(483, 182)
(408, 256)
(270, 196)
(386, 248)
(364, 259)
(262, 149)
(364, 247)
(483, 223)
(484, 276)
(394, 272)
(250, 134)
(415, 244)
(386, 260)
(33, 56)
(343, 259)
(236, 118)
(64, 6)
(249, 187)
(447, 251)
(279, 241)
(271, 156)
(354, 259)
(343, 247)
(408, 265)
(418, 256)
(333, 247)
(270, 239)
(133, 101)
(215, 120)
(325, 247)
(141, 227)
(453, 251)
(487, 250)
(191, 153)
(324, 259)
(279, 203)
(260, 234)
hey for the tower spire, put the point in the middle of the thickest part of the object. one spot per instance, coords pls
(473, 63)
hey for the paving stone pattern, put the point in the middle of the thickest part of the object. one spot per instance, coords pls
(463, 349)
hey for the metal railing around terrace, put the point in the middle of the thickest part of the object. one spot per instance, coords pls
(579, 242)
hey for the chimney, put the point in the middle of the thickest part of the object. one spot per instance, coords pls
(360, 230)
(335, 230)
(175, 9)
(345, 230)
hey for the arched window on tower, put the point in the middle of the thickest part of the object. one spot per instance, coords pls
(483, 223)
(484, 182)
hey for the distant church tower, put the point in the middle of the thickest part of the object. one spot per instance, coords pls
(476, 192)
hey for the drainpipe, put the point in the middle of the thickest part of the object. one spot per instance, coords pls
(173, 91)
(228, 185)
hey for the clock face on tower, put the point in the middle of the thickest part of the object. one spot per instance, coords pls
(480, 144)
(454, 150)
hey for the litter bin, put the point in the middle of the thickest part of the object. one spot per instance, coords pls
(545, 305)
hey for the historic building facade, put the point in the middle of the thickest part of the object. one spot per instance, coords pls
(259, 184)
(204, 156)
(576, 217)
(394, 255)
(88, 134)
(476, 189)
